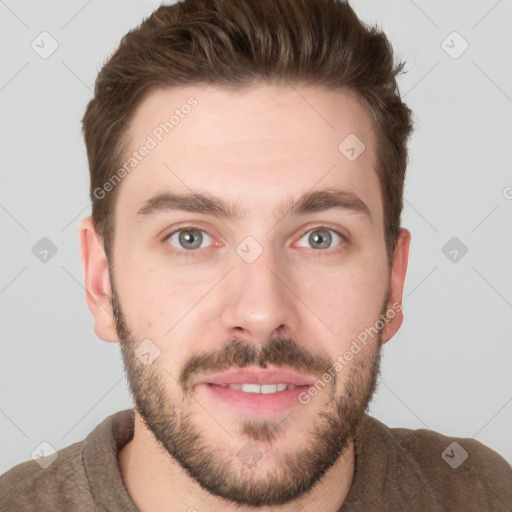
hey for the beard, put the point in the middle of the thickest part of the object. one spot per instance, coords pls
(238, 479)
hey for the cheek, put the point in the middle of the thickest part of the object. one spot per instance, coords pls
(165, 308)
(150, 302)
(348, 300)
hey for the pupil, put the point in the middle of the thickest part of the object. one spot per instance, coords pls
(321, 235)
(188, 238)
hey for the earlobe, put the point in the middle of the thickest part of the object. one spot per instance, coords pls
(396, 284)
(97, 282)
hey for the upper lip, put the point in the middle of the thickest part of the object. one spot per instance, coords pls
(259, 376)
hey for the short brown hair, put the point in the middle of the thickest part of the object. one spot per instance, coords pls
(237, 43)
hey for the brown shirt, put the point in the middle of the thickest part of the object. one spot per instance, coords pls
(396, 470)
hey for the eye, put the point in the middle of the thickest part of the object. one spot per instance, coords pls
(188, 238)
(322, 238)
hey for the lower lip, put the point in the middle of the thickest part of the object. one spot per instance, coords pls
(256, 404)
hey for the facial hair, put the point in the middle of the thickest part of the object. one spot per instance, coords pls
(171, 419)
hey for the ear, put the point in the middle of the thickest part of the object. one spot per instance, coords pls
(97, 282)
(396, 284)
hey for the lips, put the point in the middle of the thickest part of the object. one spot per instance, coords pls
(255, 392)
(260, 377)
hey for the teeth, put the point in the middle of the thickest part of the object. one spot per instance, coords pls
(264, 389)
(251, 388)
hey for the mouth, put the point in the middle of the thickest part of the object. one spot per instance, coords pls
(256, 393)
(264, 389)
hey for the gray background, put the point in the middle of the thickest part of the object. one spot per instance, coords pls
(448, 368)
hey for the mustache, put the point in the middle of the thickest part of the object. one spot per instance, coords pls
(280, 352)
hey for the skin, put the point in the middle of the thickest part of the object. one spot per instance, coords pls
(257, 147)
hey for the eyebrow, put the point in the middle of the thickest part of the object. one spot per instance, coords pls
(204, 203)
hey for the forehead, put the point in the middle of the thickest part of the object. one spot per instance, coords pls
(252, 145)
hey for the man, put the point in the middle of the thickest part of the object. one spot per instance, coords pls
(247, 164)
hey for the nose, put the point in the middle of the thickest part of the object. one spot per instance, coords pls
(258, 300)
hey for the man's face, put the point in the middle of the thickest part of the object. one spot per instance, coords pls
(255, 292)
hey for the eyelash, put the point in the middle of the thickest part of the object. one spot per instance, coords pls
(196, 251)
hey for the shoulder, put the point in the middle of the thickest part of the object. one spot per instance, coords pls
(55, 480)
(461, 470)
(75, 477)
(467, 454)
